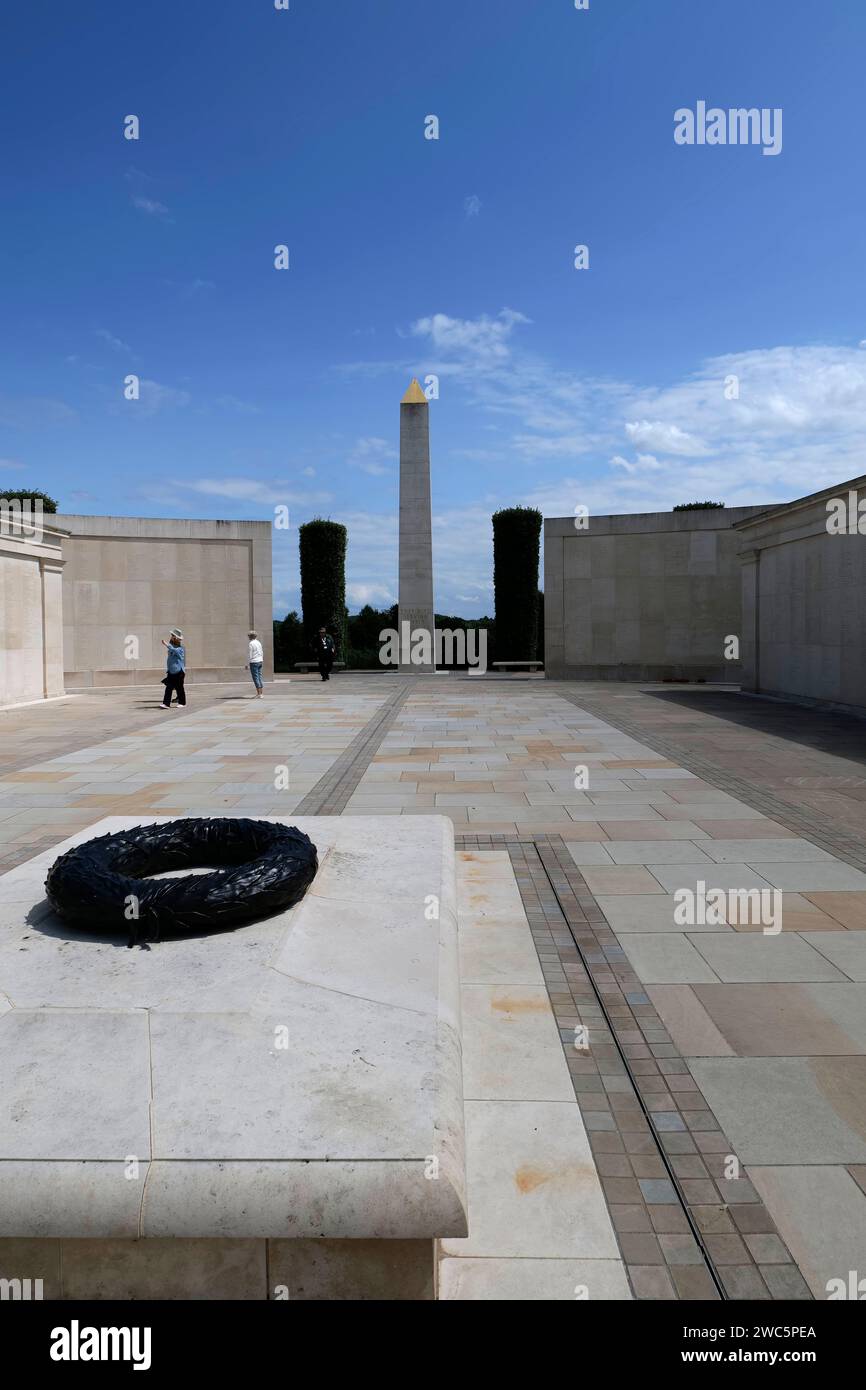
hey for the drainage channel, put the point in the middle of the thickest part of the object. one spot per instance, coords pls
(331, 794)
(636, 1092)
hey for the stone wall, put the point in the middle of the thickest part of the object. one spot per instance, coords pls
(650, 596)
(804, 600)
(31, 622)
(135, 577)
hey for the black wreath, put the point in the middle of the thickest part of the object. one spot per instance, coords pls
(103, 884)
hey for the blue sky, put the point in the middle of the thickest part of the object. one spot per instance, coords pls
(601, 387)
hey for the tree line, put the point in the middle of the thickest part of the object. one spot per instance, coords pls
(514, 633)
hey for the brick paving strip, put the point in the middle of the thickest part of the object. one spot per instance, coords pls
(685, 1231)
(333, 790)
(827, 834)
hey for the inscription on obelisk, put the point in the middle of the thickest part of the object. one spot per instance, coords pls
(415, 593)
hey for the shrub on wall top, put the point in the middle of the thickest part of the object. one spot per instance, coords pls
(696, 506)
(323, 580)
(29, 495)
(516, 548)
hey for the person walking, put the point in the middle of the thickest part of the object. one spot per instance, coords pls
(175, 668)
(256, 657)
(325, 652)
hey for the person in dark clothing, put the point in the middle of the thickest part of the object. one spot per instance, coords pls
(325, 653)
(175, 668)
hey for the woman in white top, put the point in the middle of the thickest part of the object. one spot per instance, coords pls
(256, 658)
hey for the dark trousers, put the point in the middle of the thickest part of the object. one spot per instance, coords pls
(326, 661)
(174, 682)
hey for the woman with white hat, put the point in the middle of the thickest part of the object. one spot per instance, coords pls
(254, 661)
(175, 668)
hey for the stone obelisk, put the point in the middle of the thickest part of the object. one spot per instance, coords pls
(415, 593)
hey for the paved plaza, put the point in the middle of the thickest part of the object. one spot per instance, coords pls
(655, 1107)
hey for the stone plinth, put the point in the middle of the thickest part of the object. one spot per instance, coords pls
(166, 1111)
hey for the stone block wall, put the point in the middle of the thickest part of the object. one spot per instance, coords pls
(804, 600)
(650, 596)
(139, 577)
(31, 657)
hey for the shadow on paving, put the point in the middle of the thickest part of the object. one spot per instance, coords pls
(842, 735)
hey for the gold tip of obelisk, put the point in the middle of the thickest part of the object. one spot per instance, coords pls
(414, 396)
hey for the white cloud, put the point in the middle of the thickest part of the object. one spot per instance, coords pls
(472, 205)
(377, 595)
(151, 206)
(35, 412)
(116, 343)
(758, 426)
(8, 464)
(269, 493)
(372, 455)
(665, 437)
(234, 403)
(475, 344)
(154, 396)
(197, 286)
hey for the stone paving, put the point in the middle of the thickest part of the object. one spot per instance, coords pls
(723, 1066)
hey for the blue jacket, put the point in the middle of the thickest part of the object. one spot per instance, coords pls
(175, 660)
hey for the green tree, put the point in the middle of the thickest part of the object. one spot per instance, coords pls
(516, 550)
(289, 642)
(323, 581)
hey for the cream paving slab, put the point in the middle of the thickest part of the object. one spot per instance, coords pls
(711, 811)
(738, 957)
(511, 1045)
(622, 879)
(811, 877)
(589, 852)
(693, 1031)
(821, 1215)
(656, 852)
(788, 1110)
(725, 876)
(788, 1020)
(651, 912)
(662, 958)
(499, 956)
(531, 1280)
(534, 1190)
(768, 851)
(663, 830)
(845, 949)
(509, 1199)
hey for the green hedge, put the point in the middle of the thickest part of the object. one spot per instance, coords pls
(28, 495)
(516, 549)
(323, 581)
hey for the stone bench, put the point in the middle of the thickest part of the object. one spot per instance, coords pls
(314, 666)
(270, 1112)
(533, 665)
